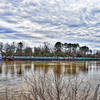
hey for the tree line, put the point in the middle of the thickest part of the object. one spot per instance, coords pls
(59, 49)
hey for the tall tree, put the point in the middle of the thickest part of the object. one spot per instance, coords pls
(1, 47)
(74, 49)
(28, 51)
(20, 48)
(65, 46)
(13, 48)
(84, 50)
(46, 47)
(69, 46)
(7, 49)
(58, 48)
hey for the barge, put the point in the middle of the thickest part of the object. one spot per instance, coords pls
(54, 58)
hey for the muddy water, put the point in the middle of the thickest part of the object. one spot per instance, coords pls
(12, 73)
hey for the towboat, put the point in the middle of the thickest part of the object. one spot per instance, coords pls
(0, 56)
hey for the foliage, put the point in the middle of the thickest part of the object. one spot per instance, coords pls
(59, 49)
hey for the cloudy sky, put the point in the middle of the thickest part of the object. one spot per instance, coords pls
(38, 21)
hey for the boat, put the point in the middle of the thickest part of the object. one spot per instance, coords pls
(0, 56)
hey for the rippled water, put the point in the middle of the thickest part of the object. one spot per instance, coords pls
(13, 72)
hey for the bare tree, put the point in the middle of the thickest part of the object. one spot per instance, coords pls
(52, 87)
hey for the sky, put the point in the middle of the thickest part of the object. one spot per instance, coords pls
(38, 21)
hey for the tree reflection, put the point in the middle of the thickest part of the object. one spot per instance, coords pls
(41, 66)
(19, 68)
(58, 68)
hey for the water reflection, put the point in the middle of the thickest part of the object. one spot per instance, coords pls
(20, 68)
(12, 72)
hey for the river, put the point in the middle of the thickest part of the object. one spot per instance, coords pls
(12, 73)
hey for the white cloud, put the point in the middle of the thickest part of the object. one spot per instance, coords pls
(51, 20)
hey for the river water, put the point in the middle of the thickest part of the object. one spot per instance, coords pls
(12, 72)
